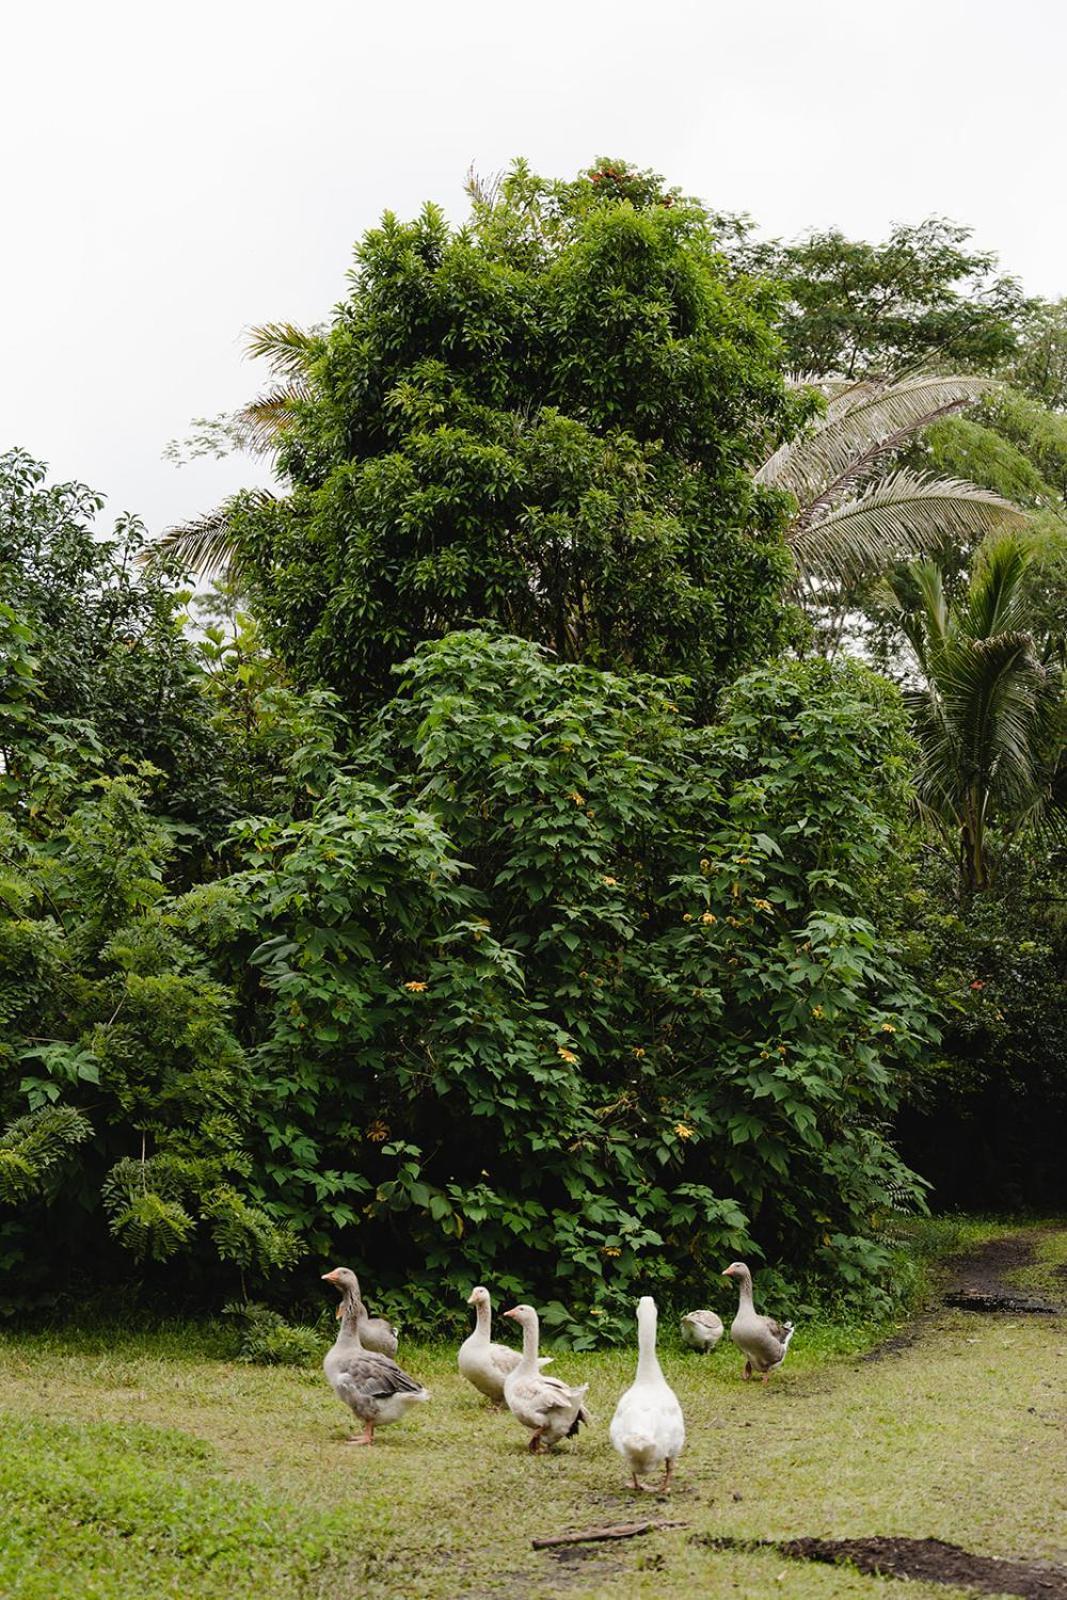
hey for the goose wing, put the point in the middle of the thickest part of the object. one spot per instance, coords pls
(374, 1377)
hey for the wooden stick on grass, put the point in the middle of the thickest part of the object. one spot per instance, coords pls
(619, 1530)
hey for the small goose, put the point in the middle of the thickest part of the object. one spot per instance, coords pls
(483, 1363)
(375, 1333)
(648, 1426)
(763, 1341)
(550, 1408)
(370, 1384)
(701, 1330)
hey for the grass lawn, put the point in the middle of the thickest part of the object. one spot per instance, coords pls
(145, 1465)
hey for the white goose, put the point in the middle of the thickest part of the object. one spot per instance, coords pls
(550, 1408)
(483, 1363)
(648, 1427)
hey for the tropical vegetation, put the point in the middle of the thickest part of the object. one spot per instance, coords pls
(608, 813)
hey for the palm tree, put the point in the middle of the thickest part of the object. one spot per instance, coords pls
(855, 518)
(989, 710)
(206, 545)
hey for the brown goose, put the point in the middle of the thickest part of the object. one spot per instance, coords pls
(370, 1384)
(762, 1341)
(375, 1333)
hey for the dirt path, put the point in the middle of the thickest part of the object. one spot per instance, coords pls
(979, 1279)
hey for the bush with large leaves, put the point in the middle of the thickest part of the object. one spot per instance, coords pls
(582, 997)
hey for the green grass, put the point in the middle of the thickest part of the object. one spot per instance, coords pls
(142, 1465)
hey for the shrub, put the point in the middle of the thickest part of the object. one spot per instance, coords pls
(584, 998)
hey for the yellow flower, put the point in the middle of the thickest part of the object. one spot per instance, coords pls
(378, 1132)
(415, 986)
(816, 1011)
(709, 918)
(683, 1131)
(579, 799)
(639, 1053)
(687, 917)
(566, 1055)
(762, 905)
(887, 1027)
(611, 882)
(609, 1250)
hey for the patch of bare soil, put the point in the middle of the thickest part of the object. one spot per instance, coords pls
(923, 1560)
(979, 1282)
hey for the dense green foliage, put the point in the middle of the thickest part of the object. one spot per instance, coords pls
(925, 295)
(990, 711)
(987, 1117)
(586, 992)
(473, 885)
(547, 419)
(108, 676)
(127, 1094)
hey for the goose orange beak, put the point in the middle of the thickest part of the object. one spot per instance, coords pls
(510, 1313)
(330, 1277)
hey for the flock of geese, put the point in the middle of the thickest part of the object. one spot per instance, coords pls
(647, 1430)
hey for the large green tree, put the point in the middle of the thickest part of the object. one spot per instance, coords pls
(547, 418)
(113, 680)
(924, 295)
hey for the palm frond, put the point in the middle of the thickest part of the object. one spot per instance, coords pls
(207, 545)
(895, 519)
(289, 349)
(863, 422)
(265, 419)
(996, 600)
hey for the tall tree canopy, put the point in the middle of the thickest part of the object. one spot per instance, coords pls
(925, 295)
(547, 418)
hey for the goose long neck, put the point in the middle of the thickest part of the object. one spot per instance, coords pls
(530, 1339)
(647, 1361)
(744, 1285)
(351, 1316)
(483, 1318)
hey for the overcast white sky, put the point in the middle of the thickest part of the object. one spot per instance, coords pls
(174, 174)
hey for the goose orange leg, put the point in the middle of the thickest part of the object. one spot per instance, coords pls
(746, 1371)
(535, 1442)
(366, 1437)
